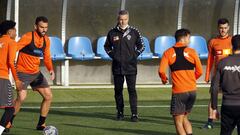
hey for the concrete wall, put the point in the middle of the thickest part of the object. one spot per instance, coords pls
(99, 72)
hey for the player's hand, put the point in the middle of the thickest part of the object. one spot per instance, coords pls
(52, 75)
(19, 85)
(165, 81)
(215, 115)
(207, 81)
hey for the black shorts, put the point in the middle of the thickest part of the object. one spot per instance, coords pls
(230, 118)
(182, 103)
(34, 80)
(6, 93)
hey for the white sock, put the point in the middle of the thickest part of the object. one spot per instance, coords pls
(1, 129)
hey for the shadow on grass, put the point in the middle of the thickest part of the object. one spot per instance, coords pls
(76, 114)
(135, 131)
(110, 116)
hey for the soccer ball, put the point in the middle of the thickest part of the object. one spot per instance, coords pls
(50, 130)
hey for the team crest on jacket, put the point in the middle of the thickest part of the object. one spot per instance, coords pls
(129, 37)
(115, 38)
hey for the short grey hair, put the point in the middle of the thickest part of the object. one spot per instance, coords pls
(123, 12)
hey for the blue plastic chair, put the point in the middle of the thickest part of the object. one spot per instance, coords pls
(80, 48)
(200, 45)
(162, 43)
(100, 48)
(146, 54)
(56, 48)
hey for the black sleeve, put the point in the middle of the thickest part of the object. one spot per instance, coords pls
(139, 44)
(108, 46)
(215, 85)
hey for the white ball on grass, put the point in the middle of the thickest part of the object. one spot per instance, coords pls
(50, 130)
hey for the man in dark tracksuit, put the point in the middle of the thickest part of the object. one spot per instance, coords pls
(228, 79)
(124, 44)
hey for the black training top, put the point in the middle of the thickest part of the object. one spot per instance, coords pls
(228, 79)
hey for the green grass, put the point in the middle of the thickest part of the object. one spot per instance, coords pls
(101, 121)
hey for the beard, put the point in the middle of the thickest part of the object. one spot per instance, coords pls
(41, 34)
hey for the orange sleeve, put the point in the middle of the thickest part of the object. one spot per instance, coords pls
(209, 61)
(24, 41)
(11, 61)
(198, 65)
(163, 67)
(47, 56)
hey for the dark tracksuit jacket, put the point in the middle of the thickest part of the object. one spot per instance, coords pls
(124, 46)
(228, 78)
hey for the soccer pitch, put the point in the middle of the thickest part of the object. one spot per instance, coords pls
(92, 112)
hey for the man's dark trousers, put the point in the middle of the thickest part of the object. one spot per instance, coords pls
(118, 88)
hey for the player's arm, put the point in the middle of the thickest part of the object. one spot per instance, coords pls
(24, 41)
(47, 59)
(210, 61)
(108, 46)
(162, 68)
(139, 44)
(215, 84)
(11, 61)
(198, 66)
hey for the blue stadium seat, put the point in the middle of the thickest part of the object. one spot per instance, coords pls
(80, 48)
(162, 43)
(100, 48)
(200, 45)
(56, 48)
(146, 54)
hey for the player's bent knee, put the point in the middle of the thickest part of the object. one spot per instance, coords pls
(21, 98)
(48, 97)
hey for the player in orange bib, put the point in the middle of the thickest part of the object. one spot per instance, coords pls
(8, 48)
(218, 48)
(32, 46)
(185, 68)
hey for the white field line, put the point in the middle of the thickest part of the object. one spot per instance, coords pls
(111, 86)
(107, 106)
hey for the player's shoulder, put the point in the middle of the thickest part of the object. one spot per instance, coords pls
(169, 52)
(113, 29)
(170, 49)
(7, 40)
(28, 33)
(134, 29)
(190, 50)
(11, 41)
(219, 39)
(214, 39)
